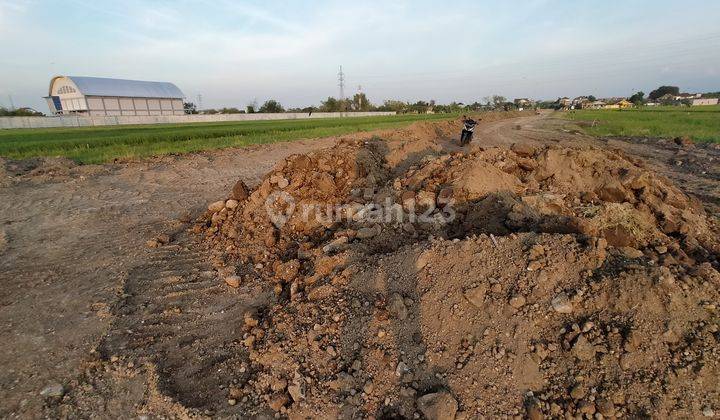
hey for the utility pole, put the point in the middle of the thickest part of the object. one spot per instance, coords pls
(12, 104)
(360, 105)
(199, 102)
(341, 83)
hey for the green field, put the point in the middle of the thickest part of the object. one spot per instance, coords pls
(104, 144)
(700, 123)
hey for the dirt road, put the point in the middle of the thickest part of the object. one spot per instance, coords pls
(86, 305)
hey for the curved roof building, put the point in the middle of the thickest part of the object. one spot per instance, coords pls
(104, 96)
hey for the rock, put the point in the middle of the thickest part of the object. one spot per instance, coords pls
(605, 407)
(708, 412)
(684, 141)
(216, 206)
(534, 413)
(336, 245)
(277, 401)
(288, 271)
(562, 304)
(163, 239)
(366, 232)
(233, 281)
(583, 349)
(438, 406)
(397, 306)
(444, 197)
(534, 265)
(577, 392)
(152, 243)
(523, 149)
(282, 183)
(517, 302)
(239, 191)
(476, 295)
(231, 204)
(631, 253)
(297, 389)
(53, 391)
(424, 200)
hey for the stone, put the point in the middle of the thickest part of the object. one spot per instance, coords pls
(282, 183)
(438, 406)
(239, 191)
(397, 306)
(534, 413)
(278, 401)
(336, 245)
(366, 232)
(233, 281)
(216, 206)
(684, 141)
(297, 390)
(231, 204)
(517, 302)
(523, 149)
(288, 271)
(53, 391)
(583, 349)
(562, 304)
(631, 253)
(424, 200)
(476, 295)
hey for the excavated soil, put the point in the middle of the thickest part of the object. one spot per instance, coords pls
(405, 277)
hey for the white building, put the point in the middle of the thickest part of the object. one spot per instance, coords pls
(103, 96)
(704, 101)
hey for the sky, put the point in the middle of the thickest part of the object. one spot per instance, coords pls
(236, 52)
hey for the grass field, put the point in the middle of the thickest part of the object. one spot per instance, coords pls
(104, 144)
(700, 123)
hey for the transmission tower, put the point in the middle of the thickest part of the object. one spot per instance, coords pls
(199, 102)
(341, 83)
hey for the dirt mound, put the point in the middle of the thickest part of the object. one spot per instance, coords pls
(411, 282)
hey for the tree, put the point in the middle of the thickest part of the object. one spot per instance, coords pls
(189, 108)
(638, 98)
(498, 101)
(271, 106)
(330, 105)
(664, 90)
(592, 98)
(20, 112)
(231, 110)
(393, 105)
(252, 107)
(360, 102)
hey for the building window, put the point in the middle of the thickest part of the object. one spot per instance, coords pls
(65, 89)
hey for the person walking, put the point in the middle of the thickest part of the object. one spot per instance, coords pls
(467, 131)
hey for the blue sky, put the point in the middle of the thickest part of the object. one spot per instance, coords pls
(235, 52)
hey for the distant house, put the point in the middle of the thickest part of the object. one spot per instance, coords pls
(580, 102)
(523, 102)
(618, 104)
(563, 103)
(703, 101)
(687, 96)
(596, 105)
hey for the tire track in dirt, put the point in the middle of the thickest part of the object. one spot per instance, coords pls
(178, 315)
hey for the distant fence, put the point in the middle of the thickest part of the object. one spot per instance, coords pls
(86, 121)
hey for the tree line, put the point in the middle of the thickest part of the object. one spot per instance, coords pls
(360, 103)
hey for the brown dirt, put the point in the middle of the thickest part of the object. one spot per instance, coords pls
(576, 278)
(598, 283)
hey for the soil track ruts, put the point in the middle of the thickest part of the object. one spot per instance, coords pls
(123, 327)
